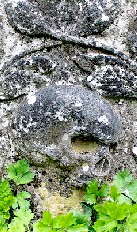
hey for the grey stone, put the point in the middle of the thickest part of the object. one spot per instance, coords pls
(80, 18)
(132, 37)
(36, 27)
(47, 124)
(1, 37)
(110, 75)
(22, 74)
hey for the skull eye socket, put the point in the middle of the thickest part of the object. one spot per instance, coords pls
(84, 144)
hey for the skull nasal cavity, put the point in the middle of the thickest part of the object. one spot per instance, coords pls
(84, 144)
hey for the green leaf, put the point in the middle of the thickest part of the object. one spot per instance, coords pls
(3, 228)
(123, 199)
(47, 218)
(114, 193)
(91, 193)
(78, 228)
(112, 210)
(64, 221)
(5, 189)
(104, 190)
(20, 172)
(106, 225)
(6, 198)
(90, 198)
(2, 219)
(20, 200)
(24, 216)
(45, 224)
(93, 187)
(82, 218)
(122, 179)
(131, 223)
(131, 190)
(40, 227)
(16, 226)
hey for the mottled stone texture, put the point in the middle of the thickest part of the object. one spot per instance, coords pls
(68, 88)
(80, 18)
(132, 37)
(48, 121)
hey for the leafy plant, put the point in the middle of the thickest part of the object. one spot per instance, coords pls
(110, 207)
(61, 223)
(15, 213)
(20, 172)
(113, 206)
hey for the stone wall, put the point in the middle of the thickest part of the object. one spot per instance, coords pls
(68, 89)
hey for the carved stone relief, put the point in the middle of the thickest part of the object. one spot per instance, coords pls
(69, 103)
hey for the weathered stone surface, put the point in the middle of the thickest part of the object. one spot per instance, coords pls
(46, 123)
(110, 75)
(132, 37)
(1, 35)
(80, 18)
(64, 41)
(23, 74)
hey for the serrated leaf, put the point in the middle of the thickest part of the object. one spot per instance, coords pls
(123, 199)
(20, 172)
(82, 218)
(105, 225)
(93, 187)
(87, 210)
(122, 179)
(6, 198)
(6, 203)
(131, 223)
(47, 218)
(24, 216)
(112, 210)
(40, 227)
(20, 200)
(63, 221)
(16, 226)
(90, 198)
(133, 209)
(131, 190)
(5, 189)
(114, 193)
(104, 190)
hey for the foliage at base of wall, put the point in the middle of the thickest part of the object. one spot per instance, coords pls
(109, 207)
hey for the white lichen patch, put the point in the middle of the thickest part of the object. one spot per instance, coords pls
(60, 116)
(105, 17)
(5, 123)
(78, 103)
(31, 99)
(134, 150)
(85, 167)
(103, 119)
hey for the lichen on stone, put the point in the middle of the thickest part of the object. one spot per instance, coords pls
(57, 204)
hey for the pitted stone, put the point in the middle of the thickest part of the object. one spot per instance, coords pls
(75, 18)
(46, 122)
(23, 74)
(109, 75)
(132, 37)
